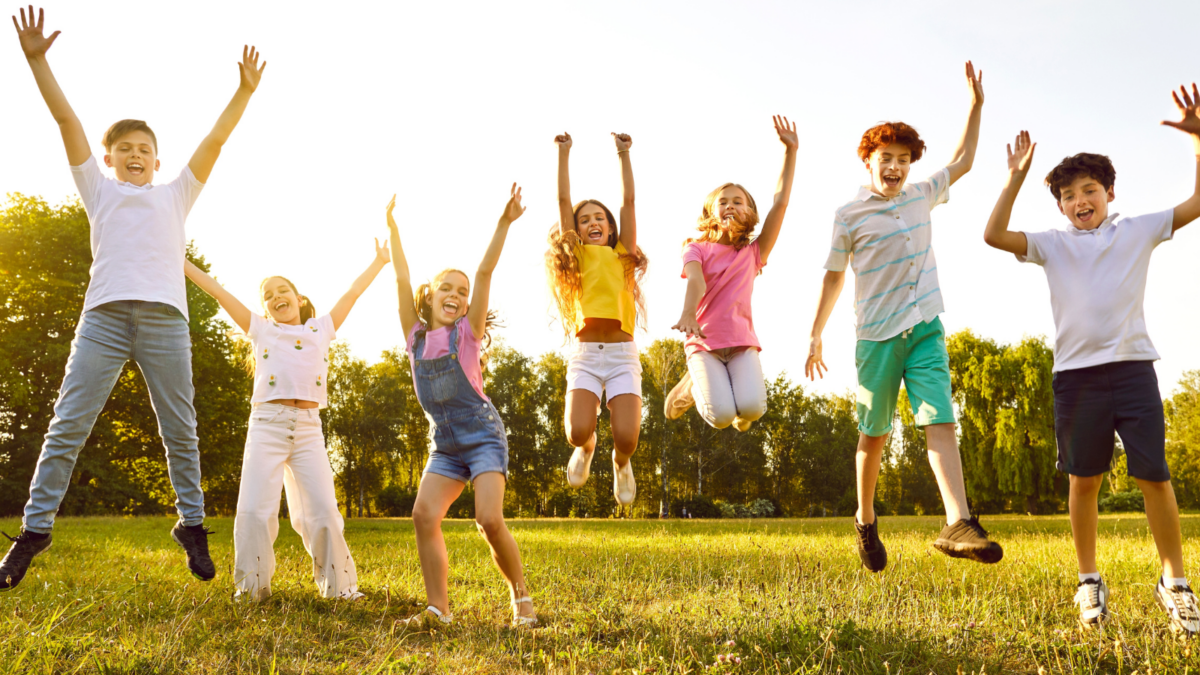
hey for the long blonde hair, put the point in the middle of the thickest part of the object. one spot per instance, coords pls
(710, 226)
(423, 300)
(564, 277)
(307, 311)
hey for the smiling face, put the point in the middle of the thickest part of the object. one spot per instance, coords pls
(1085, 202)
(282, 301)
(889, 167)
(592, 224)
(729, 205)
(133, 157)
(449, 295)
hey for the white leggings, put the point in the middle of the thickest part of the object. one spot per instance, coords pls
(285, 449)
(728, 384)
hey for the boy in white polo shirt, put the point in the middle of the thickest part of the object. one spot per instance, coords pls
(1104, 380)
(884, 233)
(135, 306)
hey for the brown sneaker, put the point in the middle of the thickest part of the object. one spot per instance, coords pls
(967, 539)
(680, 398)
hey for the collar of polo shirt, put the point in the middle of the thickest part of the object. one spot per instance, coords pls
(865, 192)
(1107, 222)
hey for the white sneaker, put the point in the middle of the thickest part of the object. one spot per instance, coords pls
(351, 595)
(580, 466)
(680, 398)
(1180, 603)
(1092, 598)
(624, 487)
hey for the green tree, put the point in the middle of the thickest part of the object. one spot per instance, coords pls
(1183, 439)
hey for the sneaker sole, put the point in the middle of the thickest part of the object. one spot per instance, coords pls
(987, 554)
(35, 555)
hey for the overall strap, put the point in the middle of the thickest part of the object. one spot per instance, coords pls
(418, 346)
(454, 339)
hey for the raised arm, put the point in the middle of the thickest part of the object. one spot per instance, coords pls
(404, 289)
(342, 309)
(478, 312)
(232, 306)
(691, 300)
(205, 157)
(964, 154)
(35, 45)
(628, 233)
(831, 288)
(1189, 210)
(566, 213)
(997, 234)
(783, 189)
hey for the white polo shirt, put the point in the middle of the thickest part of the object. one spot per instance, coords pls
(138, 239)
(1097, 284)
(895, 272)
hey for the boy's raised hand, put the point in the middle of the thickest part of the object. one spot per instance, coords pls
(1020, 159)
(563, 141)
(623, 141)
(391, 207)
(513, 209)
(382, 255)
(786, 131)
(1190, 122)
(975, 80)
(33, 43)
(249, 69)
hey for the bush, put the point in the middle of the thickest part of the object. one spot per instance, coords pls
(396, 502)
(697, 506)
(762, 508)
(1122, 502)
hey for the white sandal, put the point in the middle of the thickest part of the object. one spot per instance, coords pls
(523, 621)
(429, 616)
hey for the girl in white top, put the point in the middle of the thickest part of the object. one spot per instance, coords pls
(284, 445)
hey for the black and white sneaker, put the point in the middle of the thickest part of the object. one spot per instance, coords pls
(194, 540)
(967, 539)
(25, 547)
(1180, 603)
(1092, 598)
(870, 548)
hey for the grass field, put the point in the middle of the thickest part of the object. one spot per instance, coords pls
(788, 596)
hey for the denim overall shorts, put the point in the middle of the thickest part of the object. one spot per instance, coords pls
(468, 437)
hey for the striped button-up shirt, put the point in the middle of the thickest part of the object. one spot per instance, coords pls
(889, 244)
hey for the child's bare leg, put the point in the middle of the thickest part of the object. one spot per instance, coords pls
(626, 419)
(947, 469)
(434, 498)
(489, 518)
(579, 419)
(1085, 518)
(1163, 514)
(867, 462)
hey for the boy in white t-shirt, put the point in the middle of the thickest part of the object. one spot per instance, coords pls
(135, 307)
(1104, 380)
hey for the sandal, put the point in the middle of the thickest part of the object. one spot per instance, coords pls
(430, 616)
(523, 621)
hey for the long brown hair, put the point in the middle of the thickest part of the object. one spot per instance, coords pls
(307, 311)
(423, 300)
(563, 274)
(710, 226)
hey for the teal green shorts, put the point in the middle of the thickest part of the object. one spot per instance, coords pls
(918, 356)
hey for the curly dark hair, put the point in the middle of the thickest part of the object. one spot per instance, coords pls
(1089, 164)
(886, 133)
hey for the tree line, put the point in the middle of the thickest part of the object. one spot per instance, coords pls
(798, 460)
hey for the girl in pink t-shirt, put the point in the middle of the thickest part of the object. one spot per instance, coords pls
(724, 378)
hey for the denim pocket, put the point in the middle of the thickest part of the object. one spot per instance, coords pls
(264, 416)
(442, 386)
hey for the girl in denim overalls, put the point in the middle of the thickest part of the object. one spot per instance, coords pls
(445, 334)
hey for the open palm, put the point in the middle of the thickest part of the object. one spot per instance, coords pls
(250, 71)
(1021, 157)
(1188, 110)
(513, 209)
(786, 131)
(33, 42)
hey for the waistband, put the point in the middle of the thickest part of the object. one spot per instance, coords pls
(605, 348)
(461, 413)
(279, 407)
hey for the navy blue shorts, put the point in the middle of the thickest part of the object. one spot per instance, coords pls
(1092, 403)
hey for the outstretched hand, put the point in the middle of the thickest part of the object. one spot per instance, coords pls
(248, 67)
(975, 80)
(623, 141)
(513, 209)
(1020, 159)
(391, 207)
(382, 254)
(786, 131)
(1190, 122)
(689, 326)
(563, 141)
(33, 43)
(814, 366)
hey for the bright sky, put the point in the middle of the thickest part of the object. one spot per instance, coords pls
(446, 104)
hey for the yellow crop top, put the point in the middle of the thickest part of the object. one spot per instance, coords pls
(605, 289)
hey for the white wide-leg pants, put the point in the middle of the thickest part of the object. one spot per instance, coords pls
(728, 384)
(285, 449)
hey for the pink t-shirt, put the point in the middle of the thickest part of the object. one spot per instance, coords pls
(437, 345)
(724, 313)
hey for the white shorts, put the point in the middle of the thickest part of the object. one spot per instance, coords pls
(599, 367)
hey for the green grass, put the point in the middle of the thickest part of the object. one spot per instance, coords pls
(113, 596)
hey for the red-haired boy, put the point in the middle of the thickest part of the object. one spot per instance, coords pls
(1104, 380)
(884, 234)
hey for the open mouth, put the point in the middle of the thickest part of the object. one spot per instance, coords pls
(595, 234)
(450, 307)
(281, 306)
(891, 181)
(1084, 215)
(135, 168)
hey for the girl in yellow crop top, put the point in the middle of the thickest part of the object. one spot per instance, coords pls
(595, 270)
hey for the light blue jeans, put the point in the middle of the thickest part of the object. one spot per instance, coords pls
(155, 336)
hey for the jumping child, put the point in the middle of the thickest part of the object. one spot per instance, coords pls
(724, 378)
(595, 271)
(446, 337)
(285, 447)
(1104, 379)
(136, 302)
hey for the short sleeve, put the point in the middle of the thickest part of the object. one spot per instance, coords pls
(839, 250)
(620, 248)
(412, 336)
(937, 188)
(1157, 227)
(691, 253)
(186, 188)
(758, 261)
(1037, 247)
(257, 324)
(88, 180)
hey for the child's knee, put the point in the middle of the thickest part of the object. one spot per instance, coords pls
(490, 526)
(753, 410)
(425, 518)
(1086, 484)
(717, 415)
